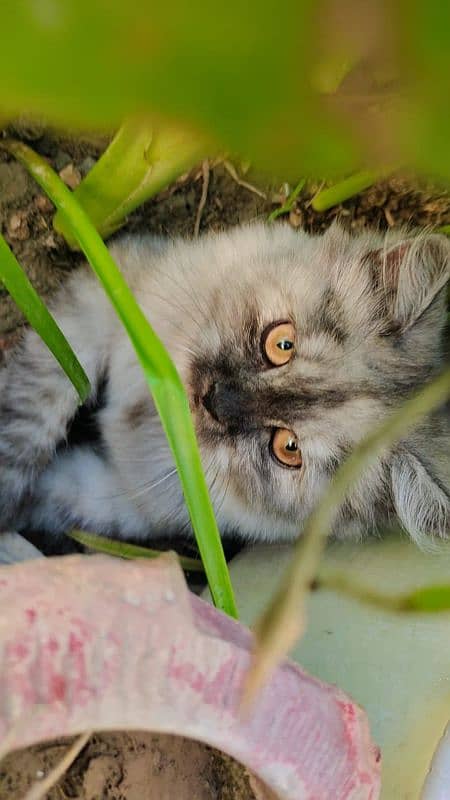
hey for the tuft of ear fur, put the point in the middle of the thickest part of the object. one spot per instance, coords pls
(421, 503)
(410, 274)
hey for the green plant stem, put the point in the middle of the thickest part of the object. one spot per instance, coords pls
(288, 204)
(428, 599)
(444, 229)
(113, 547)
(160, 372)
(143, 158)
(345, 189)
(282, 621)
(310, 547)
(37, 314)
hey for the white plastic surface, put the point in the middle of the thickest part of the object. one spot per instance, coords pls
(397, 666)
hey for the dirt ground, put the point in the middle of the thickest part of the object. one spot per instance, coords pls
(137, 766)
(129, 766)
(26, 214)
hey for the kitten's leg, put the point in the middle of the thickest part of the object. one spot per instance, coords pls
(81, 489)
(37, 400)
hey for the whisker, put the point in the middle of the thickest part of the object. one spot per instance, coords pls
(224, 491)
(143, 487)
(189, 294)
(176, 305)
(148, 488)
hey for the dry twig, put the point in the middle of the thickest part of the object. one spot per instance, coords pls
(39, 790)
(230, 168)
(203, 198)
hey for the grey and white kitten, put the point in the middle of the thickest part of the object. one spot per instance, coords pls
(291, 347)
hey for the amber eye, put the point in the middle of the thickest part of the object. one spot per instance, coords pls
(285, 448)
(278, 343)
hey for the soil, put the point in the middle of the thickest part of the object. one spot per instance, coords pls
(138, 766)
(129, 766)
(26, 214)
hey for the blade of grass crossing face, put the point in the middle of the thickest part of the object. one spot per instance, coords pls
(160, 372)
(37, 314)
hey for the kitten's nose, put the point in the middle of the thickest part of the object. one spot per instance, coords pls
(209, 401)
(224, 402)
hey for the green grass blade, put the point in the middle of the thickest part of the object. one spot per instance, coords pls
(283, 621)
(160, 372)
(143, 159)
(288, 205)
(427, 599)
(345, 189)
(113, 547)
(37, 314)
(445, 229)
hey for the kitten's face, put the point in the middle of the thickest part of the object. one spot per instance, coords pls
(290, 357)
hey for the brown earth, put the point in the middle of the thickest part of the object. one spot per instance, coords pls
(130, 766)
(138, 766)
(26, 215)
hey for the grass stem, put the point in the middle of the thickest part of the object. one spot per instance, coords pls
(39, 317)
(162, 377)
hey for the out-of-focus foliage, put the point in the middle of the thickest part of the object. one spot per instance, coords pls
(139, 162)
(300, 87)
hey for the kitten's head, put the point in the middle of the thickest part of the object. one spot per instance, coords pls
(300, 346)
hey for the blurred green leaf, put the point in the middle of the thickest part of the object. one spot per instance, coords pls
(342, 191)
(35, 311)
(430, 598)
(239, 73)
(142, 159)
(120, 549)
(426, 599)
(160, 372)
(293, 86)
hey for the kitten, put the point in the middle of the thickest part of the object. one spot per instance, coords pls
(291, 347)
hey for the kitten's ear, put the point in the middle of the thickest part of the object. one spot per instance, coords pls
(421, 503)
(409, 275)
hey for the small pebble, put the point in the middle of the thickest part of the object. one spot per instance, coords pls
(40, 773)
(50, 242)
(295, 218)
(17, 227)
(43, 203)
(70, 175)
